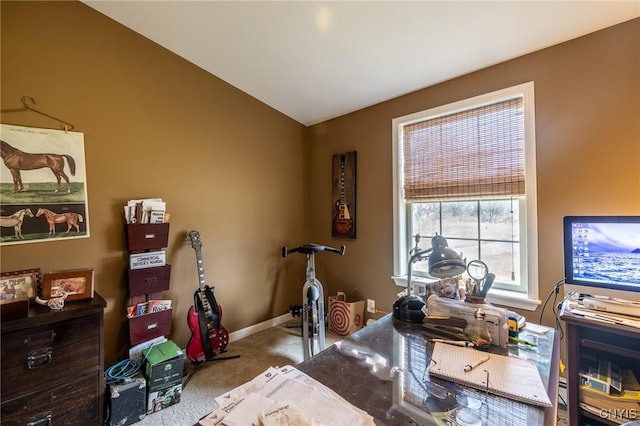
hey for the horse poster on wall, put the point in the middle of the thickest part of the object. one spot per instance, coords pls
(43, 185)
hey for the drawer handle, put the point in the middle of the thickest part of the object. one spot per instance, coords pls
(150, 326)
(46, 420)
(149, 236)
(39, 358)
(151, 280)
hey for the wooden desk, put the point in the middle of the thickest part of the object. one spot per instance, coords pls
(407, 346)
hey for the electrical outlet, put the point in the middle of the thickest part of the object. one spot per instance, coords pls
(371, 306)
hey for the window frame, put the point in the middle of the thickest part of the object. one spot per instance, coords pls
(520, 288)
(528, 300)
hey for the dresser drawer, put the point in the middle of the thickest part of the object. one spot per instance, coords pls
(149, 280)
(48, 354)
(149, 326)
(76, 402)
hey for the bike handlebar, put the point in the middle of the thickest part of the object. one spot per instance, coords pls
(313, 248)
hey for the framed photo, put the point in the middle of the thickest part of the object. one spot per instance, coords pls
(77, 284)
(19, 285)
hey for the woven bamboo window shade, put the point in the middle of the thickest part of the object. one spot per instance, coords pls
(472, 154)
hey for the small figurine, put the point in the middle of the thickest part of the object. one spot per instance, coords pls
(55, 303)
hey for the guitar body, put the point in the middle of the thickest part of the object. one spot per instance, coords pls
(208, 337)
(342, 222)
(218, 338)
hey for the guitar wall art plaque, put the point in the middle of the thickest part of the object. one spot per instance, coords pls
(343, 224)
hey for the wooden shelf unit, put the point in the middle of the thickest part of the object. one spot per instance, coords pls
(148, 283)
(616, 343)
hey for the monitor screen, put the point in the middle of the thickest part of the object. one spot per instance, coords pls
(602, 256)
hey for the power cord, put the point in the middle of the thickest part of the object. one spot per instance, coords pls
(558, 326)
(554, 292)
(126, 368)
(121, 370)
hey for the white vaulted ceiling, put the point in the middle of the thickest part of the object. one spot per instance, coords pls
(317, 60)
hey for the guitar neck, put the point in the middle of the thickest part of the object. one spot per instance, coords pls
(342, 196)
(200, 269)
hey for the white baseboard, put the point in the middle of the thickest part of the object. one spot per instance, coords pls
(256, 328)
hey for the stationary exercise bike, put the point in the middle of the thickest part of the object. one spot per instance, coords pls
(312, 299)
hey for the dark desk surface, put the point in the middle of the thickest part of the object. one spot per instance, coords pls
(405, 401)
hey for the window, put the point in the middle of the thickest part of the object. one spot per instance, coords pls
(466, 171)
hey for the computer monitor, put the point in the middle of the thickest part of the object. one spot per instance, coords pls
(602, 256)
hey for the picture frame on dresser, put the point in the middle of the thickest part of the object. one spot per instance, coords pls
(77, 284)
(19, 285)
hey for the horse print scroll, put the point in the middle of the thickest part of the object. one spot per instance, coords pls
(43, 187)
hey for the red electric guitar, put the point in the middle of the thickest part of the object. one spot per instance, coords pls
(208, 337)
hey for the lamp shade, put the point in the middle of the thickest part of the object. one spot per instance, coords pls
(443, 262)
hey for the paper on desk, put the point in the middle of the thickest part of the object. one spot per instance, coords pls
(317, 403)
(251, 386)
(536, 328)
(283, 413)
(604, 316)
(245, 412)
(319, 406)
(300, 376)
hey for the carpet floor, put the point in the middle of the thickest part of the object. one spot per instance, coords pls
(276, 346)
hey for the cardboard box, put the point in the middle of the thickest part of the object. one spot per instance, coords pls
(164, 365)
(127, 401)
(164, 397)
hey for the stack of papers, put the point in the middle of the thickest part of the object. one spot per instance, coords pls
(148, 210)
(601, 316)
(284, 396)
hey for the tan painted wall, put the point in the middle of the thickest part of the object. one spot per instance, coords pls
(249, 184)
(157, 126)
(587, 94)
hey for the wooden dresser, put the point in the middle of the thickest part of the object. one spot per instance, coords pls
(53, 364)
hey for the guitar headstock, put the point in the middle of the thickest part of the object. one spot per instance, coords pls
(195, 240)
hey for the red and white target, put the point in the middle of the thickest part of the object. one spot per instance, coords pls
(343, 320)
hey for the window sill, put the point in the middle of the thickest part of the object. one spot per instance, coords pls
(496, 296)
(512, 299)
(401, 281)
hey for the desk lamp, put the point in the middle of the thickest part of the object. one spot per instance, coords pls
(444, 262)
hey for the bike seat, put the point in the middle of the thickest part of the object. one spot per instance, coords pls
(312, 248)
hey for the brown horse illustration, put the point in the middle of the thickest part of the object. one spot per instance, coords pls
(72, 219)
(16, 220)
(16, 160)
